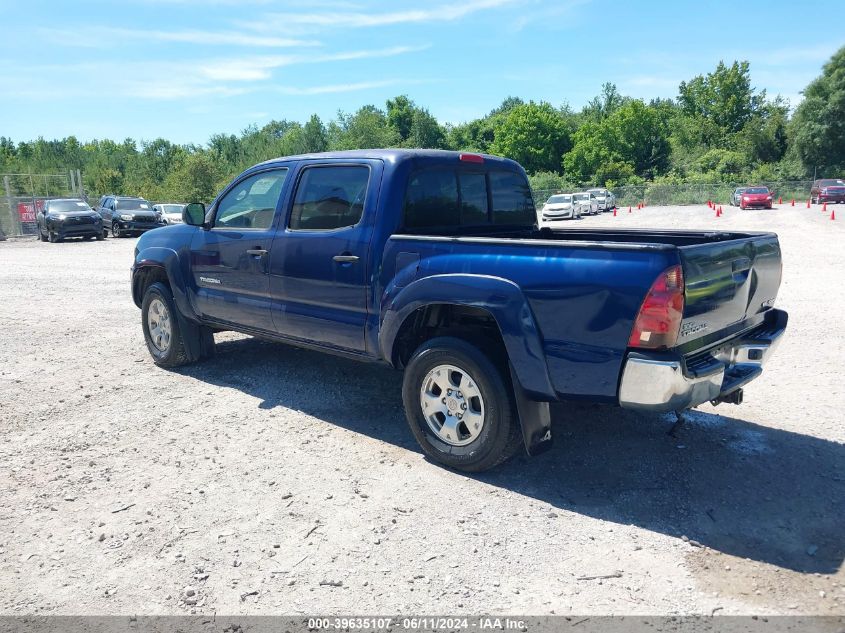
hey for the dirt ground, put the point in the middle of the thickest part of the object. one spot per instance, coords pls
(276, 480)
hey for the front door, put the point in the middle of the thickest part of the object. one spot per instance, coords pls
(319, 264)
(229, 261)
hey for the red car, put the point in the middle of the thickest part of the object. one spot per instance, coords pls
(828, 190)
(756, 197)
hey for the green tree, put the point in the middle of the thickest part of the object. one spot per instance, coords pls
(724, 96)
(535, 135)
(817, 128)
(366, 129)
(194, 179)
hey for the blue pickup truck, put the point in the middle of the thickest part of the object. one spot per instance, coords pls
(432, 262)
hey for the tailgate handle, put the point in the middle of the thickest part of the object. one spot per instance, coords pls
(741, 265)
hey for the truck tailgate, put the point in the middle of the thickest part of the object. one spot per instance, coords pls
(728, 283)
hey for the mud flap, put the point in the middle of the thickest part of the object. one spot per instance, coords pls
(534, 417)
(198, 339)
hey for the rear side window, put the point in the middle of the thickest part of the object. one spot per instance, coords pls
(432, 199)
(443, 197)
(511, 196)
(329, 197)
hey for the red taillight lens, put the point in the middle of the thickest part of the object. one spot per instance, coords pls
(659, 318)
(471, 158)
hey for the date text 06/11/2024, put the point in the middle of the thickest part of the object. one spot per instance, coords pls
(418, 623)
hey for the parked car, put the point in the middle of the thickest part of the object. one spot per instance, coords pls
(604, 198)
(560, 207)
(431, 262)
(759, 197)
(736, 196)
(587, 202)
(67, 217)
(828, 190)
(170, 212)
(126, 215)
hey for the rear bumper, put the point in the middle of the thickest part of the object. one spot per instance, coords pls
(660, 382)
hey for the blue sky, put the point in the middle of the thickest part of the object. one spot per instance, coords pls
(185, 69)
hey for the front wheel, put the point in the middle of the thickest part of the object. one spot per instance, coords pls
(460, 406)
(161, 327)
(41, 235)
(115, 230)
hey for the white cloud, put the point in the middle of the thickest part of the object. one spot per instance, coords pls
(335, 88)
(70, 37)
(257, 68)
(292, 21)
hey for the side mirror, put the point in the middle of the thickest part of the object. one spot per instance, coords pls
(194, 214)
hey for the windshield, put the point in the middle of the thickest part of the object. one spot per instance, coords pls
(171, 208)
(757, 190)
(561, 199)
(132, 205)
(582, 196)
(831, 183)
(63, 206)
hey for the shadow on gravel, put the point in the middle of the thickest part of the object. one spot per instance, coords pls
(747, 490)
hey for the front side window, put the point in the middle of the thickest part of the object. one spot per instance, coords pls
(251, 204)
(329, 197)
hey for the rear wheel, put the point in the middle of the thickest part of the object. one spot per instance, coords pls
(100, 236)
(460, 405)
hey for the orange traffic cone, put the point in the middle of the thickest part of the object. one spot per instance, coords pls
(793, 202)
(614, 212)
(709, 204)
(833, 214)
(717, 213)
(808, 204)
(824, 206)
(629, 209)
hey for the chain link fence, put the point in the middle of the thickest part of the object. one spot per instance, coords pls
(23, 195)
(673, 194)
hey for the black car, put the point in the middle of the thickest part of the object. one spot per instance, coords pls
(126, 215)
(67, 217)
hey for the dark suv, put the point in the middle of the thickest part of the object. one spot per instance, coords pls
(828, 190)
(125, 215)
(67, 217)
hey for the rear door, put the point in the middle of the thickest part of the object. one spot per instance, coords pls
(728, 282)
(230, 261)
(320, 269)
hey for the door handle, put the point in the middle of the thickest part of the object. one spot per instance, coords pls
(257, 252)
(345, 259)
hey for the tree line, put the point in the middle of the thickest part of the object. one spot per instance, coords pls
(719, 129)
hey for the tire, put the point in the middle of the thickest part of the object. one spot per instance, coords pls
(169, 350)
(105, 233)
(41, 235)
(52, 237)
(115, 230)
(100, 236)
(489, 394)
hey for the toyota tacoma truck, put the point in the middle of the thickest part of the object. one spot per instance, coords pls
(432, 262)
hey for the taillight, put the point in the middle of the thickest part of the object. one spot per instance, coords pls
(471, 158)
(660, 315)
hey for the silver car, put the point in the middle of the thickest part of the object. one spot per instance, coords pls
(587, 202)
(170, 212)
(560, 207)
(605, 199)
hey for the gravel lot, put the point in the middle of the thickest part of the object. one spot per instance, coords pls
(276, 480)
